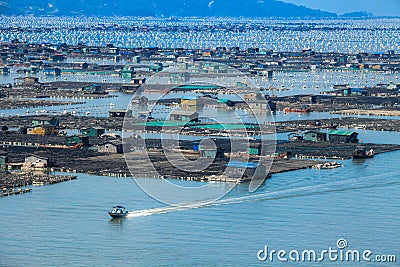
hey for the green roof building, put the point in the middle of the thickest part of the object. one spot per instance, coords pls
(77, 139)
(337, 136)
(127, 73)
(92, 131)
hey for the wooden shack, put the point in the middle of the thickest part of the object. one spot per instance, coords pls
(114, 146)
(245, 170)
(183, 115)
(34, 161)
(30, 80)
(41, 130)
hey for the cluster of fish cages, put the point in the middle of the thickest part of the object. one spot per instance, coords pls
(16, 182)
(375, 124)
(327, 150)
(12, 191)
(68, 122)
(195, 32)
(32, 103)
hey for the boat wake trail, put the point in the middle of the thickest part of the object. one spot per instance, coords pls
(148, 212)
(337, 186)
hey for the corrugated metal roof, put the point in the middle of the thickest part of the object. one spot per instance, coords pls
(225, 126)
(339, 132)
(117, 110)
(189, 97)
(184, 112)
(197, 87)
(241, 164)
(163, 123)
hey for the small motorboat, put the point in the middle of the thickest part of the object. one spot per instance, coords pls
(305, 109)
(118, 212)
(295, 137)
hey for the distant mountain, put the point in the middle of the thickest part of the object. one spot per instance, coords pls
(359, 14)
(231, 8)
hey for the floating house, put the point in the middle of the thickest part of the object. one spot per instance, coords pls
(76, 140)
(27, 80)
(227, 102)
(119, 113)
(209, 151)
(58, 57)
(245, 170)
(138, 81)
(41, 130)
(254, 149)
(113, 50)
(182, 115)
(336, 136)
(4, 70)
(259, 105)
(113, 146)
(93, 131)
(93, 89)
(261, 149)
(315, 136)
(129, 88)
(177, 78)
(207, 53)
(188, 102)
(127, 72)
(42, 121)
(3, 158)
(354, 91)
(136, 59)
(36, 162)
(52, 71)
(140, 100)
(250, 97)
(79, 65)
(157, 67)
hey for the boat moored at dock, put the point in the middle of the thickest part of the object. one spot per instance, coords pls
(305, 109)
(363, 153)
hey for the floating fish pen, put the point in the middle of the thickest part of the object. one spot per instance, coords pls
(11, 192)
(14, 183)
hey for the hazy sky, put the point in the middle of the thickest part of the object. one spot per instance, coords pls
(377, 7)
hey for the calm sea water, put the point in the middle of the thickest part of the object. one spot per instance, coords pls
(67, 224)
